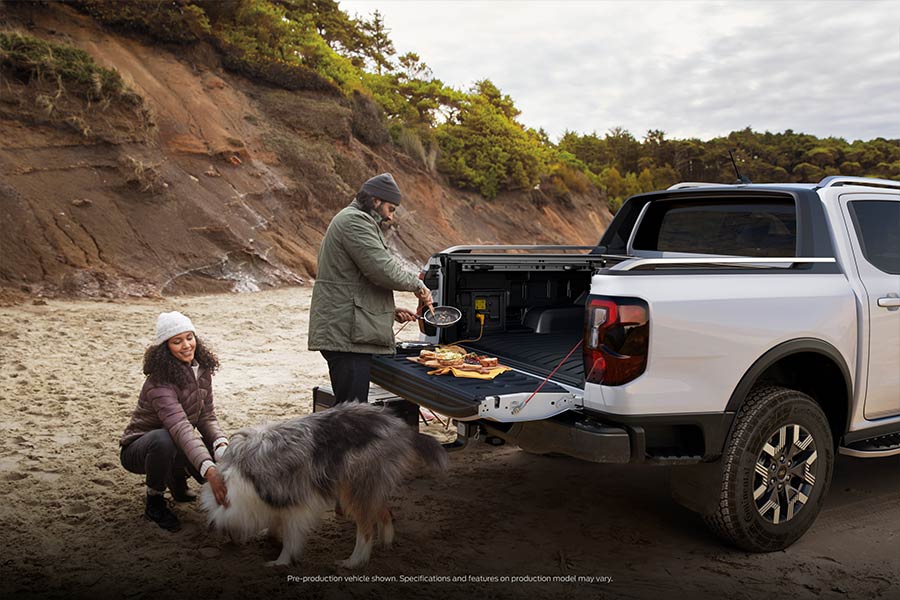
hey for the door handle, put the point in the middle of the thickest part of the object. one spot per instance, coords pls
(889, 302)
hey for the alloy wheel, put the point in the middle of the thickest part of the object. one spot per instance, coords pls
(785, 474)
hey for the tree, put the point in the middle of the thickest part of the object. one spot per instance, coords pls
(656, 146)
(341, 33)
(379, 45)
(589, 149)
(821, 156)
(625, 150)
(645, 181)
(496, 98)
(484, 149)
(411, 67)
(613, 183)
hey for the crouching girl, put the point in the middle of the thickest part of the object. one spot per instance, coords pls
(175, 403)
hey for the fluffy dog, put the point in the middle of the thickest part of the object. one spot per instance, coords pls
(285, 476)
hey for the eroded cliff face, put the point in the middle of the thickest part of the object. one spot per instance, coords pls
(216, 183)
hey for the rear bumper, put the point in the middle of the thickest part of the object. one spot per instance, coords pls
(568, 435)
(659, 439)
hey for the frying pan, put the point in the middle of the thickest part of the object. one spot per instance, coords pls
(444, 316)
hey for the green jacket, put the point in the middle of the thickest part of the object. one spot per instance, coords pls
(352, 307)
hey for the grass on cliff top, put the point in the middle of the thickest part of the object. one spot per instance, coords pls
(29, 58)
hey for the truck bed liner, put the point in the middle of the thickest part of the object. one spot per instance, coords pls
(535, 353)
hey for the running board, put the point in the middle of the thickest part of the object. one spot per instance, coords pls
(878, 447)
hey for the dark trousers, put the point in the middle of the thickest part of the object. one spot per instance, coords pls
(349, 373)
(155, 455)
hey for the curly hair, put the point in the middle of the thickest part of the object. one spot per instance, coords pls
(163, 367)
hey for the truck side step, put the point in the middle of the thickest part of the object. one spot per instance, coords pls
(877, 447)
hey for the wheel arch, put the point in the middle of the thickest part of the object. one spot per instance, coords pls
(809, 365)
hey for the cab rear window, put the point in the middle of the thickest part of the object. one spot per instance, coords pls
(748, 228)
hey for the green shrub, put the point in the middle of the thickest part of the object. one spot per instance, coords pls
(368, 120)
(573, 180)
(28, 58)
(178, 22)
(417, 143)
(806, 172)
(288, 77)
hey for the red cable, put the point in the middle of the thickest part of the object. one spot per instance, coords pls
(543, 383)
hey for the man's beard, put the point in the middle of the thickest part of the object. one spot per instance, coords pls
(383, 223)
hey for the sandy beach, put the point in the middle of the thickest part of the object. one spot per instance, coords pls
(72, 523)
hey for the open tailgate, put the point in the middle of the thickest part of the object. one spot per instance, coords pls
(501, 399)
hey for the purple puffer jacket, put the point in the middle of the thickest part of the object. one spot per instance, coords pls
(179, 411)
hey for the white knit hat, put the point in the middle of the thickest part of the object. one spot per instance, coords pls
(171, 323)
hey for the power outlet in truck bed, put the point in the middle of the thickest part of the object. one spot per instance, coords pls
(490, 303)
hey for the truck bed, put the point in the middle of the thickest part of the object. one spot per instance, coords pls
(538, 354)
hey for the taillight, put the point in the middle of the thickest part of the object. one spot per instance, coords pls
(616, 339)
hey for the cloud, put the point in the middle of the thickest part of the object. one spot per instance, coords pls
(692, 69)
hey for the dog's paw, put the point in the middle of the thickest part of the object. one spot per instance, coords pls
(351, 564)
(387, 536)
(278, 563)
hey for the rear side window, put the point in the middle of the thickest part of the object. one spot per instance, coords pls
(765, 228)
(877, 224)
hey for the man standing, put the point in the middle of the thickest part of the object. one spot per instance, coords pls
(352, 310)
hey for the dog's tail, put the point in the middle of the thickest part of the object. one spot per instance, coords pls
(431, 451)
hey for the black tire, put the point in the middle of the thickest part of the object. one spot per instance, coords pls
(776, 471)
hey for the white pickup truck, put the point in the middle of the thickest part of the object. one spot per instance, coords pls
(745, 332)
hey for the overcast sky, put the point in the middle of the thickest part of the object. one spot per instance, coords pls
(692, 69)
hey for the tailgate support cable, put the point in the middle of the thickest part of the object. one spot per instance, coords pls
(518, 409)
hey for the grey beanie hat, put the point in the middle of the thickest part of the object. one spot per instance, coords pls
(384, 187)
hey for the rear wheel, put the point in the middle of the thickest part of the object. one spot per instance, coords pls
(776, 470)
